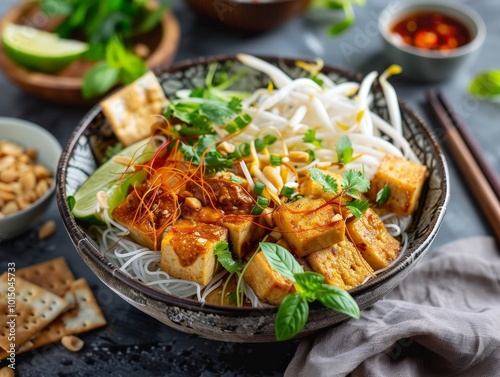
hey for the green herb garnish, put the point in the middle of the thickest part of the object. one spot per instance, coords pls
(486, 84)
(357, 207)
(225, 258)
(310, 137)
(341, 26)
(120, 66)
(294, 309)
(383, 195)
(344, 150)
(328, 183)
(355, 183)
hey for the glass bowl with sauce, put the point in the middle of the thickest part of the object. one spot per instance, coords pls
(430, 40)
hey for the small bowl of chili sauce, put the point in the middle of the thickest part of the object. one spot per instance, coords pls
(430, 40)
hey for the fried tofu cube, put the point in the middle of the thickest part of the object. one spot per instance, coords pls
(244, 233)
(131, 110)
(225, 294)
(310, 187)
(405, 179)
(309, 224)
(341, 265)
(187, 250)
(146, 212)
(372, 239)
(267, 283)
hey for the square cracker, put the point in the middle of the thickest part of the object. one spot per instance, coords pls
(133, 110)
(85, 316)
(53, 275)
(35, 308)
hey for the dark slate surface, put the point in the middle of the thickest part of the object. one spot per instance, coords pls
(135, 344)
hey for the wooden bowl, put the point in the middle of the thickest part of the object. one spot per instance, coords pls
(249, 15)
(65, 86)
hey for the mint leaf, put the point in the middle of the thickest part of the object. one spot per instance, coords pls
(383, 195)
(291, 317)
(281, 260)
(225, 258)
(344, 150)
(357, 207)
(328, 183)
(355, 182)
(338, 299)
(99, 79)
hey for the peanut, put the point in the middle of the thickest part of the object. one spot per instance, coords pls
(47, 229)
(7, 372)
(299, 156)
(193, 202)
(273, 176)
(22, 181)
(72, 343)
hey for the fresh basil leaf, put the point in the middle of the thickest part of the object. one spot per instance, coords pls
(308, 283)
(225, 258)
(357, 207)
(281, 260)
(328, 183)
(344, 150)
(99, 80)
(486, 84)
(383, 195)
(292, 316)
(338, 300)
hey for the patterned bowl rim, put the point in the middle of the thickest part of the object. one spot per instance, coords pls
(83, 242)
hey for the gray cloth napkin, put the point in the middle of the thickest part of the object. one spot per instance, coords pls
(442, 320)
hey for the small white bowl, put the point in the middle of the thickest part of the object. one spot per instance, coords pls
(27, 134)
(430, 65)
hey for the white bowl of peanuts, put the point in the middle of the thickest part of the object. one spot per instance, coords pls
(29, 155)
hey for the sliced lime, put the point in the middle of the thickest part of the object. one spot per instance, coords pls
(114, 179)
(40, 50)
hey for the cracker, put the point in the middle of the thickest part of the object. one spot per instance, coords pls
(53, 275)
(35, 308)
(133, 110)
(85, 316)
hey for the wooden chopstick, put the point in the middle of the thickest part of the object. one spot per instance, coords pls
(469, 167)
(488, 171)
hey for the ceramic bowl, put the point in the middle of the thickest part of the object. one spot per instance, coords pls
(430, 65)
(27, 134)
(65, 86)
(249, 15)
(231, 324)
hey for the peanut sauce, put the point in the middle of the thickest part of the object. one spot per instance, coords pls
(432, 31)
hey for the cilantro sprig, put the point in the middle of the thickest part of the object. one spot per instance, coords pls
(293, 311)
(354, 184)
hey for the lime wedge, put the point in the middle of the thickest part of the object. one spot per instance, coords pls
(40, 50)
(114, 179)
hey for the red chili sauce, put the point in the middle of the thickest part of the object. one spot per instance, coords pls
(432, 31)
